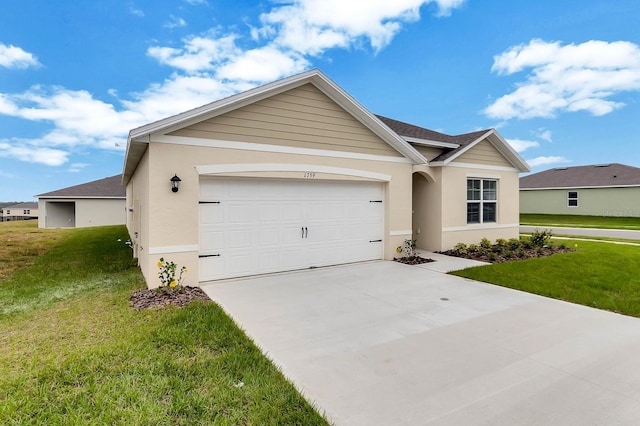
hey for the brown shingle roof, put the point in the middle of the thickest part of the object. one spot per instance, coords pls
(110, 187)
(412, 131)
(22, 206)
(614, 174)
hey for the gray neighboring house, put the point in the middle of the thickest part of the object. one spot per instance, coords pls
(596, 190)
(98, 203)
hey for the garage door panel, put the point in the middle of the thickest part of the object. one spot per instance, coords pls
(260, 225)
(211, 241)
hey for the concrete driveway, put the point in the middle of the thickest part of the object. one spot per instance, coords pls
(383, 343)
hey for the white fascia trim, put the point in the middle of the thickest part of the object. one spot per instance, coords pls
(249, 146)
(174, 249)
(475, 166)
(483, 176)
(569, 188)
(427, 142)
(88, 197)
(479, 227)
(278, 167)
(399, 233)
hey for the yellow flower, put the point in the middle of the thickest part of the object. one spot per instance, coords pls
(159, 264)
(173, 284)
(186, 270)
(399, 249)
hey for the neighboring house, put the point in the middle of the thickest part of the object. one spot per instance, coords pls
(20, 211)
(97, 203)
(297, 174)
(597, 190)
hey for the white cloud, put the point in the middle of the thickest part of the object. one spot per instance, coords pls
(175, 22)
(312, 26)
(263, 64)
(545, 161)
(521, 145)
(14, 57)
(77, 167)
(198, 53)
(545, 135)
(196, 2)
(33, 154)
(136, 12)
(207, 67)
(566, 78)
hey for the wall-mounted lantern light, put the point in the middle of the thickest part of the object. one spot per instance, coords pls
(175, 183)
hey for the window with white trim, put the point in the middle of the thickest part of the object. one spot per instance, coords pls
(482, 200)
(27, 211)
(572, 198)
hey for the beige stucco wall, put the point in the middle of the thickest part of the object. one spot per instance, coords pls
(454, 206)
(137, 205)
(173, 231)
(623, 202)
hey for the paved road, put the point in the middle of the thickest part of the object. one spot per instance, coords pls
(587, 232)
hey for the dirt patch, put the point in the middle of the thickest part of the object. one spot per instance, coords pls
(160, 297)
(413, 260)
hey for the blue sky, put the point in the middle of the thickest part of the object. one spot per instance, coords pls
(560, 80)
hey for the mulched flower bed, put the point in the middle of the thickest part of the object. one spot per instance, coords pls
(413, 260)
(160, 297)
(494, 256)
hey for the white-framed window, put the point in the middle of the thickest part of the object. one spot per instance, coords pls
(482, 200)
(8, 211)
(28, 211)
(572, 198)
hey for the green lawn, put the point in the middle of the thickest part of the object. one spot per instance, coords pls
(580, 221)
(72, 351)
(600, 275)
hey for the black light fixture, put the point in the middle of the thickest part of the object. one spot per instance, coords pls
(175, 183)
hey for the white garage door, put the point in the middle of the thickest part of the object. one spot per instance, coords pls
(257, 226)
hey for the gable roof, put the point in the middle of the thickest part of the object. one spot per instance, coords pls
(599, 175)
(454, 145)
(139, 137)
(22, 206)
(110, 187)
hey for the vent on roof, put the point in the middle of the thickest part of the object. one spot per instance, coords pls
(602, 165)
(561, 168)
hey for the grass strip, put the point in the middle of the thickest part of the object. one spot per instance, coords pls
(600, 275)
(578, 221)
(72, 351)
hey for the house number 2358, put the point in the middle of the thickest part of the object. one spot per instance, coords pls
(309, 175)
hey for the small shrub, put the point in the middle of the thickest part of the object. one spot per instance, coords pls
(485, 243)
(540, 238)
(461, 249)
(492, 257)
(522, 254)
(474, 248)
(409, 248)
(514, 244)
(508, 254)
(501, 242)
(167, 273)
